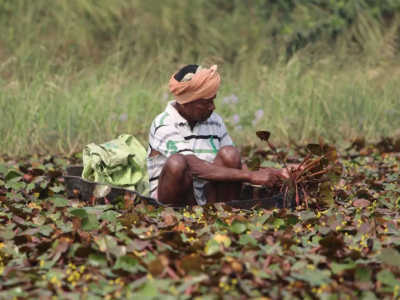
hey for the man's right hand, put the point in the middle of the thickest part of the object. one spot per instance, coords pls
(265, 176)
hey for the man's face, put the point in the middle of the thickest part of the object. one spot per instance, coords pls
(200, 110)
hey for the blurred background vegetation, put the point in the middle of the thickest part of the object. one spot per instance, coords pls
(80, 71)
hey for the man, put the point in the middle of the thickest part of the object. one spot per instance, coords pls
(191, 157)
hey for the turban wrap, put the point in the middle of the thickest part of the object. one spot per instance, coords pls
(204, 84)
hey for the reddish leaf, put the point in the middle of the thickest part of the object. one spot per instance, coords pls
(361, 203)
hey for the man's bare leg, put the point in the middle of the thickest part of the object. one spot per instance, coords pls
(175, 185)
(227, 156)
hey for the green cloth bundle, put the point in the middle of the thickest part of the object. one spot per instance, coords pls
(120, 162)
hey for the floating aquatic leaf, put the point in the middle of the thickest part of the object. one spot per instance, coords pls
(79, 212)
(390, 257)
(238, 227)
(39, 220)
(60, 202)
(57, 189)
(222, 239)
(12, 175)
(338, 168)
(263, 135)
(388, 278)
(90, 222)
(212, 247)
(361, 202)
(246, 239)
(254, 165)
(330, 153)
(109, 216)
(315, 149)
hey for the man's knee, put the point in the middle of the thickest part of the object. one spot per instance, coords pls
(176, 165)
(230, 157)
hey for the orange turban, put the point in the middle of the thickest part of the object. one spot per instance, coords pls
(204, 84)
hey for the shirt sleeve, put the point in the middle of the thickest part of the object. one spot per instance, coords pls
(168, 140)
(225, 138)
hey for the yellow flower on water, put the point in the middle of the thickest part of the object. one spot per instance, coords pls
(173, 290)
(311, 267)
(33, 205)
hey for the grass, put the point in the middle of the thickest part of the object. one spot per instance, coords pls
(62, 111)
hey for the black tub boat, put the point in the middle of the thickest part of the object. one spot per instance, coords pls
(84, 189)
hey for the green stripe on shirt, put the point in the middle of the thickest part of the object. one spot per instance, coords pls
(163, 118)
(203, 150)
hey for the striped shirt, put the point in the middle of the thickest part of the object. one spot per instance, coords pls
(170, 133)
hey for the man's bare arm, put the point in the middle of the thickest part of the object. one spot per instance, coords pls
(212, 172)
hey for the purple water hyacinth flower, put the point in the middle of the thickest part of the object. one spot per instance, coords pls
(259, 114)
(123, 117)
(232, 99)
(235, 119)
(225, 100)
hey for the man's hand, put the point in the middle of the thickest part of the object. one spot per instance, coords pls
(264, 176)
(284, 173)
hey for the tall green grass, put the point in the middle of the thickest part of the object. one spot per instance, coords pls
(49, 113)
(80, 71)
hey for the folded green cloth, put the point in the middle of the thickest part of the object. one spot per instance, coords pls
(120, 162)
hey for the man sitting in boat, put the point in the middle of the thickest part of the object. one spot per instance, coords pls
(191, 157)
